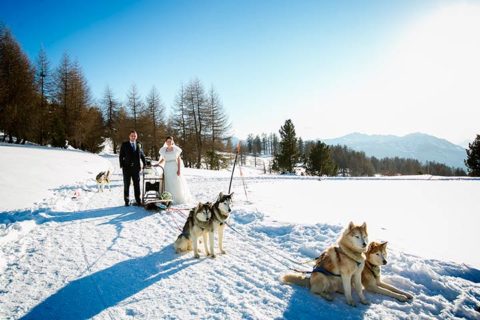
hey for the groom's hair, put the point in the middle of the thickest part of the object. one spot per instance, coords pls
(132, 131)
(169, 137)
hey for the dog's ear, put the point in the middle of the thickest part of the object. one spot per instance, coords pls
(351, 226)
(364, 226)
(199, 206)
(220, 196)
(231, 194)
(384, 244)
(371, 245)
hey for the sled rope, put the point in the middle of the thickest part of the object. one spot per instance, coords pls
(267, 252)
(180, 211)
(175, 220)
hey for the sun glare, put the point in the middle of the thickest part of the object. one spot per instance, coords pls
(426, 81)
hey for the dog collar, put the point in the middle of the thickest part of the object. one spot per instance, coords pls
(373, 269)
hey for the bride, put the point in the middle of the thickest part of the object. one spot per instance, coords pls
(175, 182)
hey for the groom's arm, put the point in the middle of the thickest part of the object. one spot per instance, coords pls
(122, 155)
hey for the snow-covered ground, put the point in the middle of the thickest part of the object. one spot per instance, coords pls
(80, 254)
(31, 173)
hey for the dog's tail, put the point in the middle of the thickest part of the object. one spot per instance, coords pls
(296, 278)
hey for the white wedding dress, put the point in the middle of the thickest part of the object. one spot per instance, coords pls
(175, 184)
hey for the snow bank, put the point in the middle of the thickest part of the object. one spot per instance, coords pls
(30, 174)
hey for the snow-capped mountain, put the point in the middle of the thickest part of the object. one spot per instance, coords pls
(420, 146)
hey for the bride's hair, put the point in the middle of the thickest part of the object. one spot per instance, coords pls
(171, 138)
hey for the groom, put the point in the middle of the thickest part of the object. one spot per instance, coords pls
(130, 154)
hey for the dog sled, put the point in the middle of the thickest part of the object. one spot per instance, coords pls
(154, 196)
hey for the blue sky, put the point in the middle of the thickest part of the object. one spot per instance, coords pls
(269, 60)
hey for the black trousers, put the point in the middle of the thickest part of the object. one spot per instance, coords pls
(130, 174)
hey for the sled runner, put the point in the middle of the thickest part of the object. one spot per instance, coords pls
(153, 189)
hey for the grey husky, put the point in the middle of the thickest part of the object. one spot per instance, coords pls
(205, 219)
(197, 225)
(220, 212)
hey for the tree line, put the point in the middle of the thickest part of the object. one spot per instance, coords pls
(317, 158)
(54, 106)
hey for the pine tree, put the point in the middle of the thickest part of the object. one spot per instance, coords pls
(43, 81)
(61, 96)
(73, 108)
(274, 144)
(265, 144)
(218, 125)
(287, 156)
(17, 90)
(134, 103)
(319, 161)
(198, 114)
(301, 150)
(110, 107)
(217, 121)
(179, 120)
(473, 158)
(181, 123)
(155, 112)
(250, 140)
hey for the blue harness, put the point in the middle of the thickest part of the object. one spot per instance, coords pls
(324, 271)
(321, 269)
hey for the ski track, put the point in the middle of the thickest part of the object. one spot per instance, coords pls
(90, 257)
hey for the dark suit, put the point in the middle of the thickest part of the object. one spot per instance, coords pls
(130, 164)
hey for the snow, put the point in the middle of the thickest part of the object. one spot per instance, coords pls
(30, 173)
(66, 257)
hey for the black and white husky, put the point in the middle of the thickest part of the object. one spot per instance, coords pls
(196, 226)
(220, 212)
(201, 223)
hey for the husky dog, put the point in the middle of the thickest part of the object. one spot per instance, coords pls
(376, 256)
(220, 213)
(103, 178)
(338, 267)
(197, 225)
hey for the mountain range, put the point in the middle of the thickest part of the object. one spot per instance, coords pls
(420, 146)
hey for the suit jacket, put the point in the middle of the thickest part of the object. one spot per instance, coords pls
(129, 159)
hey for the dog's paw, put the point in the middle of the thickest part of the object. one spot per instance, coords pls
(223, 251)
(402, 298)
(196, 256)
(409, 296)
(213, 256)
(327, 296)
(351, 303)
(364, 301)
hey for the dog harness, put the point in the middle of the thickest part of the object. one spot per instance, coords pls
(339, 250)
(375, 273)
(324, 271)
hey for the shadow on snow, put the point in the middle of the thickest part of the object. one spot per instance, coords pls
(40, 216)
(90, 295)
